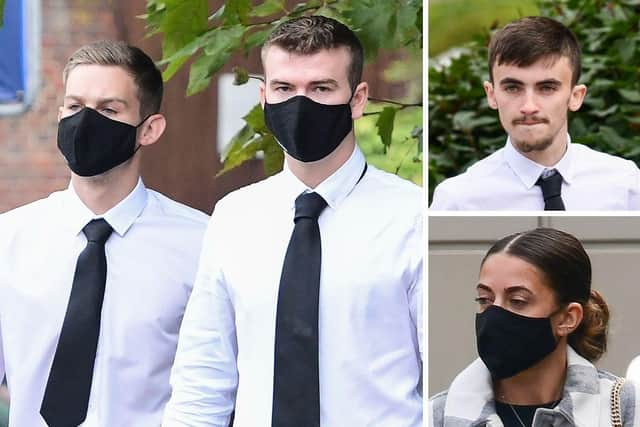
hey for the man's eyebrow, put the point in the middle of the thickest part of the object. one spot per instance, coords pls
(551, 81)
(100, 101)
(276, 82)
(325, 82)
(510, 81)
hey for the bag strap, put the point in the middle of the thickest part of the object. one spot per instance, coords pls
(616, 415)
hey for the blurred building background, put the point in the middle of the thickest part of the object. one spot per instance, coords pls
(184, 163)
(456, 247)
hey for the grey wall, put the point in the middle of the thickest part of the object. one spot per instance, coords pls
(456, 246)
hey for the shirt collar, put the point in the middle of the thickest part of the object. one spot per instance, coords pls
(333, 189)
(120, 217)
(529, 171)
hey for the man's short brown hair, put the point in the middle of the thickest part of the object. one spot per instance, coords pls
(310, 34)
(133, 60)
(525, 41)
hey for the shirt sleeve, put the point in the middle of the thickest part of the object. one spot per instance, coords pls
(634, 192)
(415, 290)
(442, 199)
(204, 376)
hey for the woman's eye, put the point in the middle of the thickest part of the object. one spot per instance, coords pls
(483, 301)
(518, 303)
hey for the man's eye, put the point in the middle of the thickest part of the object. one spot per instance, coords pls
(547, 89)
(73, 107)
(109, 111)
(511, 89)
(321, 89)
(282, 89)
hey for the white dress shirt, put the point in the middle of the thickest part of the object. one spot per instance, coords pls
(370, 314)
(151, 264)
(506, 180)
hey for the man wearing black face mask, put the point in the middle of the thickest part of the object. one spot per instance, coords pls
(311, 316)
(94, 279)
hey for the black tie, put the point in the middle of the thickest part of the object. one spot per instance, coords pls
(296, 384)
(66, 397)
(551, 187)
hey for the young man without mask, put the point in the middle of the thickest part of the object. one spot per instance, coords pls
(312, 316)
(94, 279)
(534, 70)
(540, 327)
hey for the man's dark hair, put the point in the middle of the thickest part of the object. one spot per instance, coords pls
(310, 34)
(525, 41)
(133, 60)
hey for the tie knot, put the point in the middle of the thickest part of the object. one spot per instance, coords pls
(98, 231)
(551, 183)
(309, 205)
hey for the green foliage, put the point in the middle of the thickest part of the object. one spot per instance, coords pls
(190, 31)
(404, 156)
(1, 12)
(463, 129)
(453, 22)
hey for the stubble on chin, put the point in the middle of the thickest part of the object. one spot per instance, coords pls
(530, 146)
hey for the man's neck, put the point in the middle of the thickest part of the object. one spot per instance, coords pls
(540, 384)
(102, 192)
(313, 173)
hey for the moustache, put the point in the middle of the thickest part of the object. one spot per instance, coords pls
(529, 120)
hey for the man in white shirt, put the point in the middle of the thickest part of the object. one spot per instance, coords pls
(355, 358)
(94, 279)
(534, 68)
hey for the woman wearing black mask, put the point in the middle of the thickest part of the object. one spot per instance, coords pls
(539, 328)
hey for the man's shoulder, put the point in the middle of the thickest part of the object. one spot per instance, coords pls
(39, 210)
(250, 197)
(176, 210)
(451, 192)
(392, 185)
(590, 157)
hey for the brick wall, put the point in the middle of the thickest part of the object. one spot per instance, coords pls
(30, 165)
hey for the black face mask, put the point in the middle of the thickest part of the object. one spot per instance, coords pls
(509, 343)
(306, 130)
(93, 143)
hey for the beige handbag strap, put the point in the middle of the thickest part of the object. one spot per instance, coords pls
(616, 415)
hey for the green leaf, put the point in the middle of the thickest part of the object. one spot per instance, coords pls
(257, 38)
(240, 75)
(268, 8)
(242, 147)
(217, 51)
(255, 119)
(385, 125)
(273, 155)
(1, 13)
(236, 12)
(201, 71)
(630, 95)
(183, 20)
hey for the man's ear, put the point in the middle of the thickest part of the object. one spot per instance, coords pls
(152, 129)
(359, 100)
(491, 96)
(262, 94)
(569, 319)
(577, 96)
